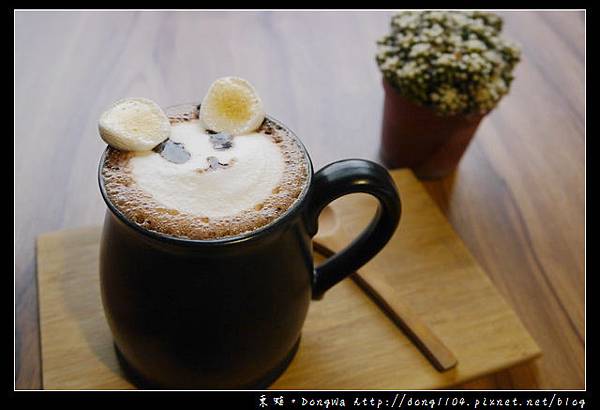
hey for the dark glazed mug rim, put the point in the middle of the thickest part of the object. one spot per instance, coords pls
(230, 240)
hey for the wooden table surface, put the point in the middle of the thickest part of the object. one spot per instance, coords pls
(517, 199)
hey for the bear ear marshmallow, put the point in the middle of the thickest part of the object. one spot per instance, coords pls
(134, 124)
(231, 106)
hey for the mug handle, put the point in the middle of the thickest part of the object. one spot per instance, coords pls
(339, 179)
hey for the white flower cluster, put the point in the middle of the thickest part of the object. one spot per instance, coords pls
(453, 61)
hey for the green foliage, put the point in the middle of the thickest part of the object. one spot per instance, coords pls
(452, 61)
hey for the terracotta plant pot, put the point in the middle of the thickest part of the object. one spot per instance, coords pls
(416, 137)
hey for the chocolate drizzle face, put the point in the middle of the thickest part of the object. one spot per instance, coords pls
(172, 151)
(141, 208)
(221, 141)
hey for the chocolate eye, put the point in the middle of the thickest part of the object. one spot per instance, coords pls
(221, 141)
(172, 151)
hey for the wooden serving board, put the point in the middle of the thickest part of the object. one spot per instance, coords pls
(347, 343)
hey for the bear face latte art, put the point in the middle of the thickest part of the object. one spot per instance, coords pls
(212, 171)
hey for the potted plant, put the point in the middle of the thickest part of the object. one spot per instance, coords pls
(443, 71)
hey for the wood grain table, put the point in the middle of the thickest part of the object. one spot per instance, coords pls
(517, 199)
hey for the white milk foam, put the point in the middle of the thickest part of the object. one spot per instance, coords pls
(255, 168)
(267, 172)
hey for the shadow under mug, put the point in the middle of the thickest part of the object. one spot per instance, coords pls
(228, 313)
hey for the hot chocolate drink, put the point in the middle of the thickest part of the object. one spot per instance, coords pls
(204, 184)
(209, 313)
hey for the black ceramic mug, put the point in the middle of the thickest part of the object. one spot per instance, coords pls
(228, 313)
